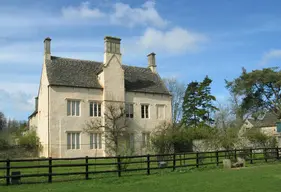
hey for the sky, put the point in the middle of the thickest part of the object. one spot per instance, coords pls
(191, 39)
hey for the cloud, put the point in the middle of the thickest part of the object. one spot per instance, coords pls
(270, 55)
(174, 41)
(16, 99)
(83, 11)
(124, 14)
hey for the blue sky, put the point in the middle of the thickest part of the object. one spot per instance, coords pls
(191, 39)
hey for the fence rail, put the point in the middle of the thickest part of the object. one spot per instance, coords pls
(52, 167)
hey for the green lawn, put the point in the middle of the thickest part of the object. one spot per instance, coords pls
(256, 178)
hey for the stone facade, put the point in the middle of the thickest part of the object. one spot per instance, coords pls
(61, 85)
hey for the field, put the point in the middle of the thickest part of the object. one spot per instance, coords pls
(255, 178)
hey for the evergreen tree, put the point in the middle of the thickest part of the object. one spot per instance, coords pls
(198, 104)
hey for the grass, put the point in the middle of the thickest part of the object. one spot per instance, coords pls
(256, 178)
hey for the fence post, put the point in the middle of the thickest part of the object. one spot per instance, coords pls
(8, 171)
(217, 158)
(235, 154)
(174, 161)
(148, 164)
(87, 168)
(197, 159)
(277, 153)
(50, 170)
(251, 156)
(119, 165)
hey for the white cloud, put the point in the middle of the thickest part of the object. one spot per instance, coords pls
(82, 11)
(174, 41)
(270, 55)
(124, 14)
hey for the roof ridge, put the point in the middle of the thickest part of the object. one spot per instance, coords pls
(73, 59)
(76, 59)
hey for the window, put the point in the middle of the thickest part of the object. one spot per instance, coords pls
(131, 140)
(145, 139)
(130, 110)
(160, 111)
(144, 111)
(73, 108)
(95, 109)
(95, 141)
(73, 140)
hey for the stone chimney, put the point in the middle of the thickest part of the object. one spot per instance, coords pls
(152, 62)
(111, 47)
(47, 48)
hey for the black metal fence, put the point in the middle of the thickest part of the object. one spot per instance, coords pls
(15, 170)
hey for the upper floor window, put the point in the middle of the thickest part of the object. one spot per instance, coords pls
(95, 109)
(144, 111)
(95, 141)
(73, 108)
(73, 140)
(160, 110)
(130, 110)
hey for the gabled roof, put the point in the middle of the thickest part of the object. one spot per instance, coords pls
(83, 73)
(269, 120)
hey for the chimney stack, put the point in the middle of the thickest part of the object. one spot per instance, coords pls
(152, 62)
(47, 48)
(111, 47)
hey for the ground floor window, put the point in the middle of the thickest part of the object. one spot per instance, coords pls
(73, 140)
(95, 141)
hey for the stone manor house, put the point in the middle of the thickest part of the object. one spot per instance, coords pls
(74, 91)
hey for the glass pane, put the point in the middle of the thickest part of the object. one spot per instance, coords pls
(100, 142)
(73, 108)
(146, 111)
(95, 109)
(73, 140)
(91, 109)
(68, 107)
(96, 141)
(142, 111)
(91, 141)
(77, 108)
(77, 140)
(68, 140)
(99, 109)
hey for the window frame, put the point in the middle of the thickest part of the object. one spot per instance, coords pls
(95, 141)
(163, 112)
(73, 136)
(145, 139)
(145, 113)
(73, 112)
(129, 109)
(92, 105)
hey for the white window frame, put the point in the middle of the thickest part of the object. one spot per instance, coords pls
(95, 141)
(145, 139)
(129, 108)
(73, 140)
(132, 141)
(163, 112)
(92, 105)
(73, 107)
(146, 111)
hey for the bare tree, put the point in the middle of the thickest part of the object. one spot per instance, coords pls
(177, 90)
(3, 121)
(224, 117)
(113, 126)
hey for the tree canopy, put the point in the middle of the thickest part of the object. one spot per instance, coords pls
(260, 90)
(198, 104)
